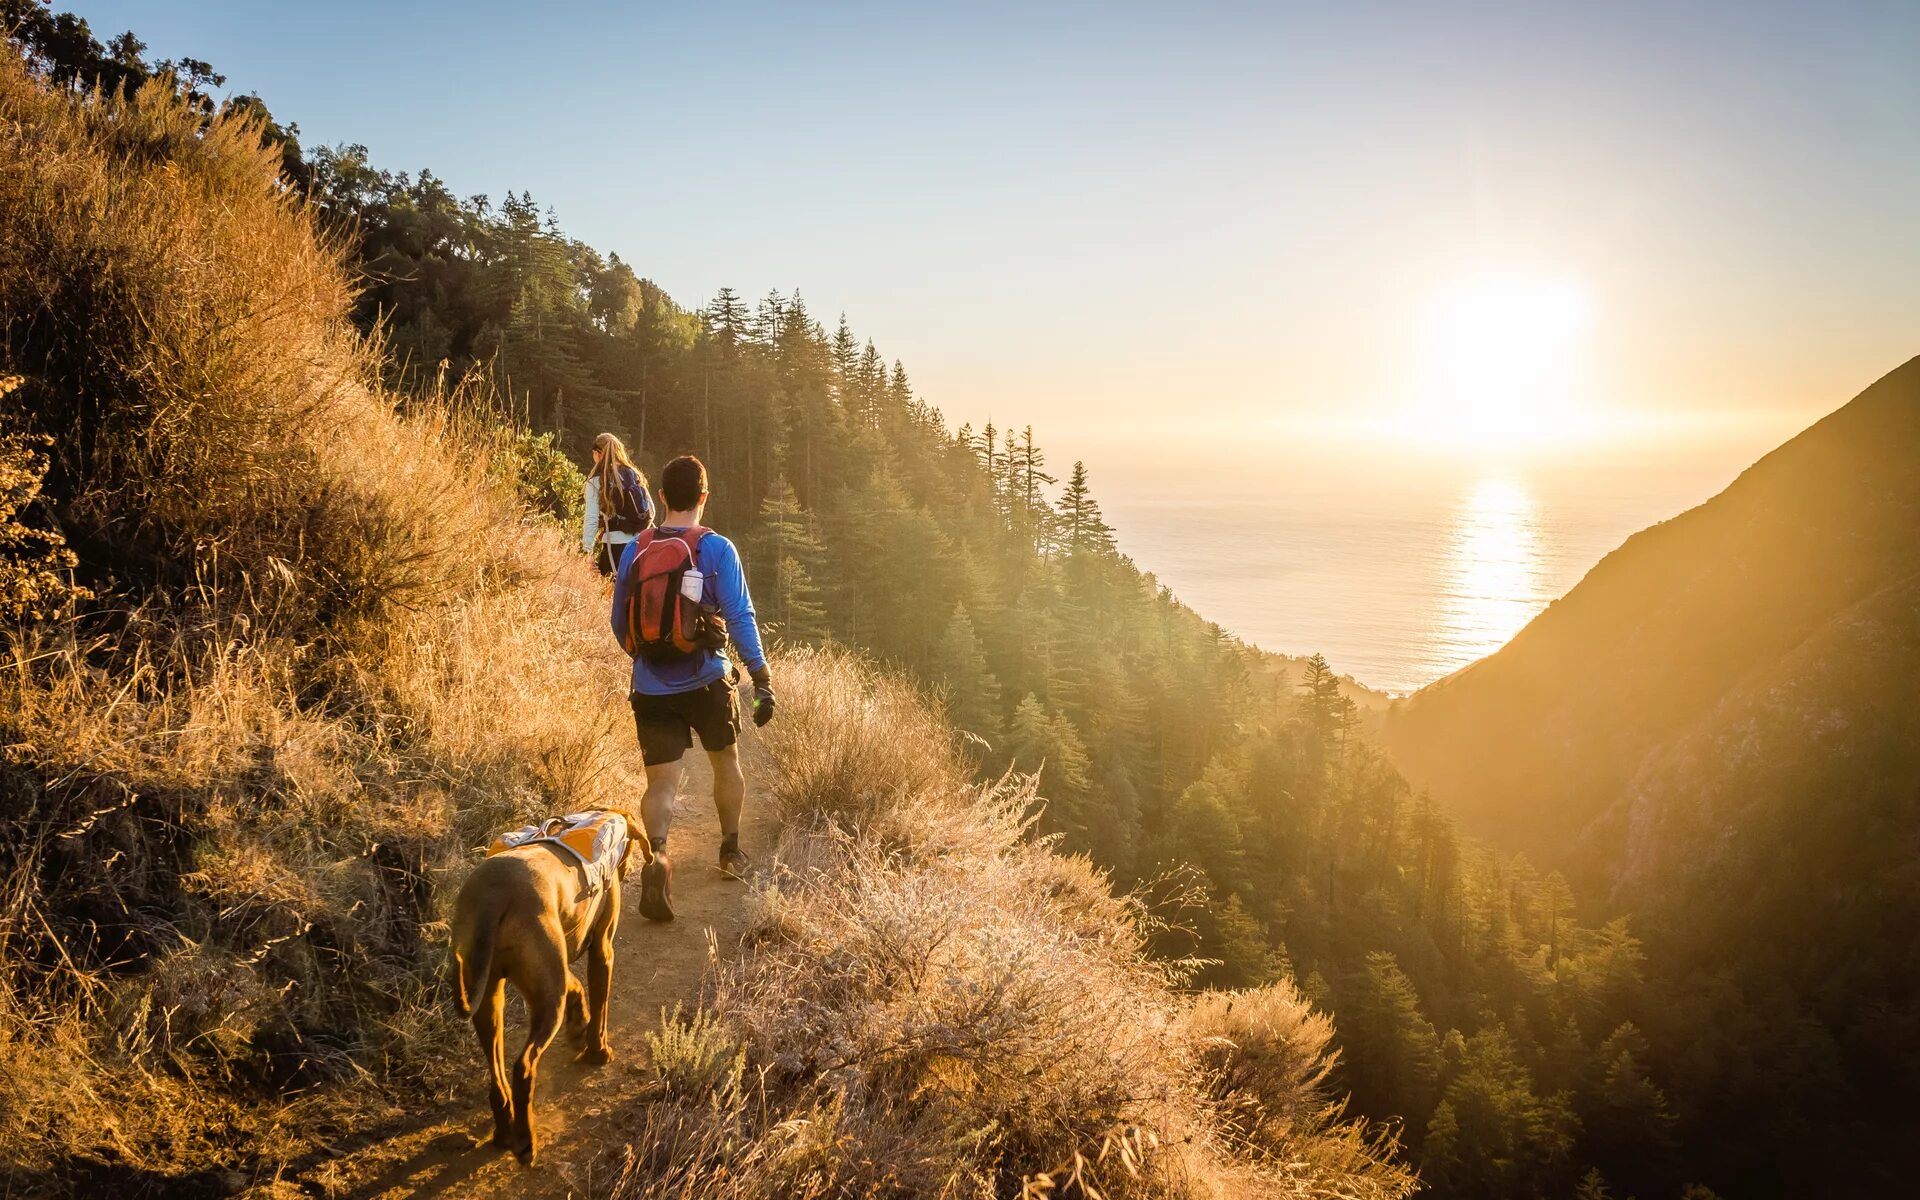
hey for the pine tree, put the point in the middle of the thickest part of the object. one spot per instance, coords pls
(727, 320)
(897, 570)
(1045, 742)
(1205, 834)
(899, 391)
(1593, 1186)
(846, 364)
(1083, 532)
(959, 668)
(1628, 1123)
(1028, 465)
(869, 388)
(789, 552)
(769, 320)
(1503, 1139)
(1235, 940)
(1329, 714)
(1391, 1055)
(984, 448)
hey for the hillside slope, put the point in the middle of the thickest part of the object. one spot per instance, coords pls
(1532, 743)
(1718, 732)
(237, 779)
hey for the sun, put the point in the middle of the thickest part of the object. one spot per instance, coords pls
(1498, 362)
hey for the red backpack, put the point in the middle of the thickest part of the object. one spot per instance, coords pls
(661, 622)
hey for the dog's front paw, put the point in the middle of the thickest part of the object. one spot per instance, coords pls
(596, 1056)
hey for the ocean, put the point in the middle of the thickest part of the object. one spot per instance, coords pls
(1401, 569)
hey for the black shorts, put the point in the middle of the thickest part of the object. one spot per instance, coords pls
(666, 724)
(607, 556)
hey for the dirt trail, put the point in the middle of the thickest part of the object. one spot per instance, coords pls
(446, 1154)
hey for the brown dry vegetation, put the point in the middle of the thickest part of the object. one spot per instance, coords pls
(930, 1002)
(329, 653)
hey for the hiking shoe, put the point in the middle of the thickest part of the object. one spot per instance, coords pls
(734, 862)
(656, 889)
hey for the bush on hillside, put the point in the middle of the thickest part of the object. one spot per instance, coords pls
(36, 567)
(544, 477)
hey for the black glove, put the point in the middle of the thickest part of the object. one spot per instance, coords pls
(762, 697)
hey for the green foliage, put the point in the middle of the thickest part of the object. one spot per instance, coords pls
(958, 667)
(1045, 742)
(1204, 832)
(36, 580)
(785, 558)
(1493, 1134)
(1237, 945)
(545, 479)
(694, 1055)
(1392, 1054)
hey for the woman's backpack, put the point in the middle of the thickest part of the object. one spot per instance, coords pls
(662, 621)
(625, 508)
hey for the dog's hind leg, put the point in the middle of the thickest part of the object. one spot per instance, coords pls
(545, 989)
(488, 1017)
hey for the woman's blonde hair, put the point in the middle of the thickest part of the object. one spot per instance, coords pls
(613, 455)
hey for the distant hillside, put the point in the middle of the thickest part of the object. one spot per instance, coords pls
(1718, 731)
(1536, 741)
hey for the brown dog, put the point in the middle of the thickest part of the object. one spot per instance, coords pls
(521, 917)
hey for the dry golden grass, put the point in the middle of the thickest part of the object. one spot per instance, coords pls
(931, 1003)
(331, 654)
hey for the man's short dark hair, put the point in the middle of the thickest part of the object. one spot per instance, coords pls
(682, 482)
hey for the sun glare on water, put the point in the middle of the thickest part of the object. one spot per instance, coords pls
(1493, 585)
(1499, 361)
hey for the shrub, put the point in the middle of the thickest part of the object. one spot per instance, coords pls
(694, 1055)
(543, 476)
(35, 565)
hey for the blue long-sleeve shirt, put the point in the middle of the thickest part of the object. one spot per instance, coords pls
(724, 589)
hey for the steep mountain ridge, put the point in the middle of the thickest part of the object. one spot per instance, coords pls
(1717, 733)
(1533, 743)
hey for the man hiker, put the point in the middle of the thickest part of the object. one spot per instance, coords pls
(678, 594)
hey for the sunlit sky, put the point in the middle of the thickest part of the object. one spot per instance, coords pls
(1115, 221)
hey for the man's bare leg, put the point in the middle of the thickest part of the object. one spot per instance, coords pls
(729, 789)
(656, 807)
(656, 813)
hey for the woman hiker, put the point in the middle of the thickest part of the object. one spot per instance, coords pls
(617, 504)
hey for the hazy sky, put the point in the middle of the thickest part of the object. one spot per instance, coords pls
(1107, 219)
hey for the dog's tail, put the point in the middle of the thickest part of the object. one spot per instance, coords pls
(473, 961)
